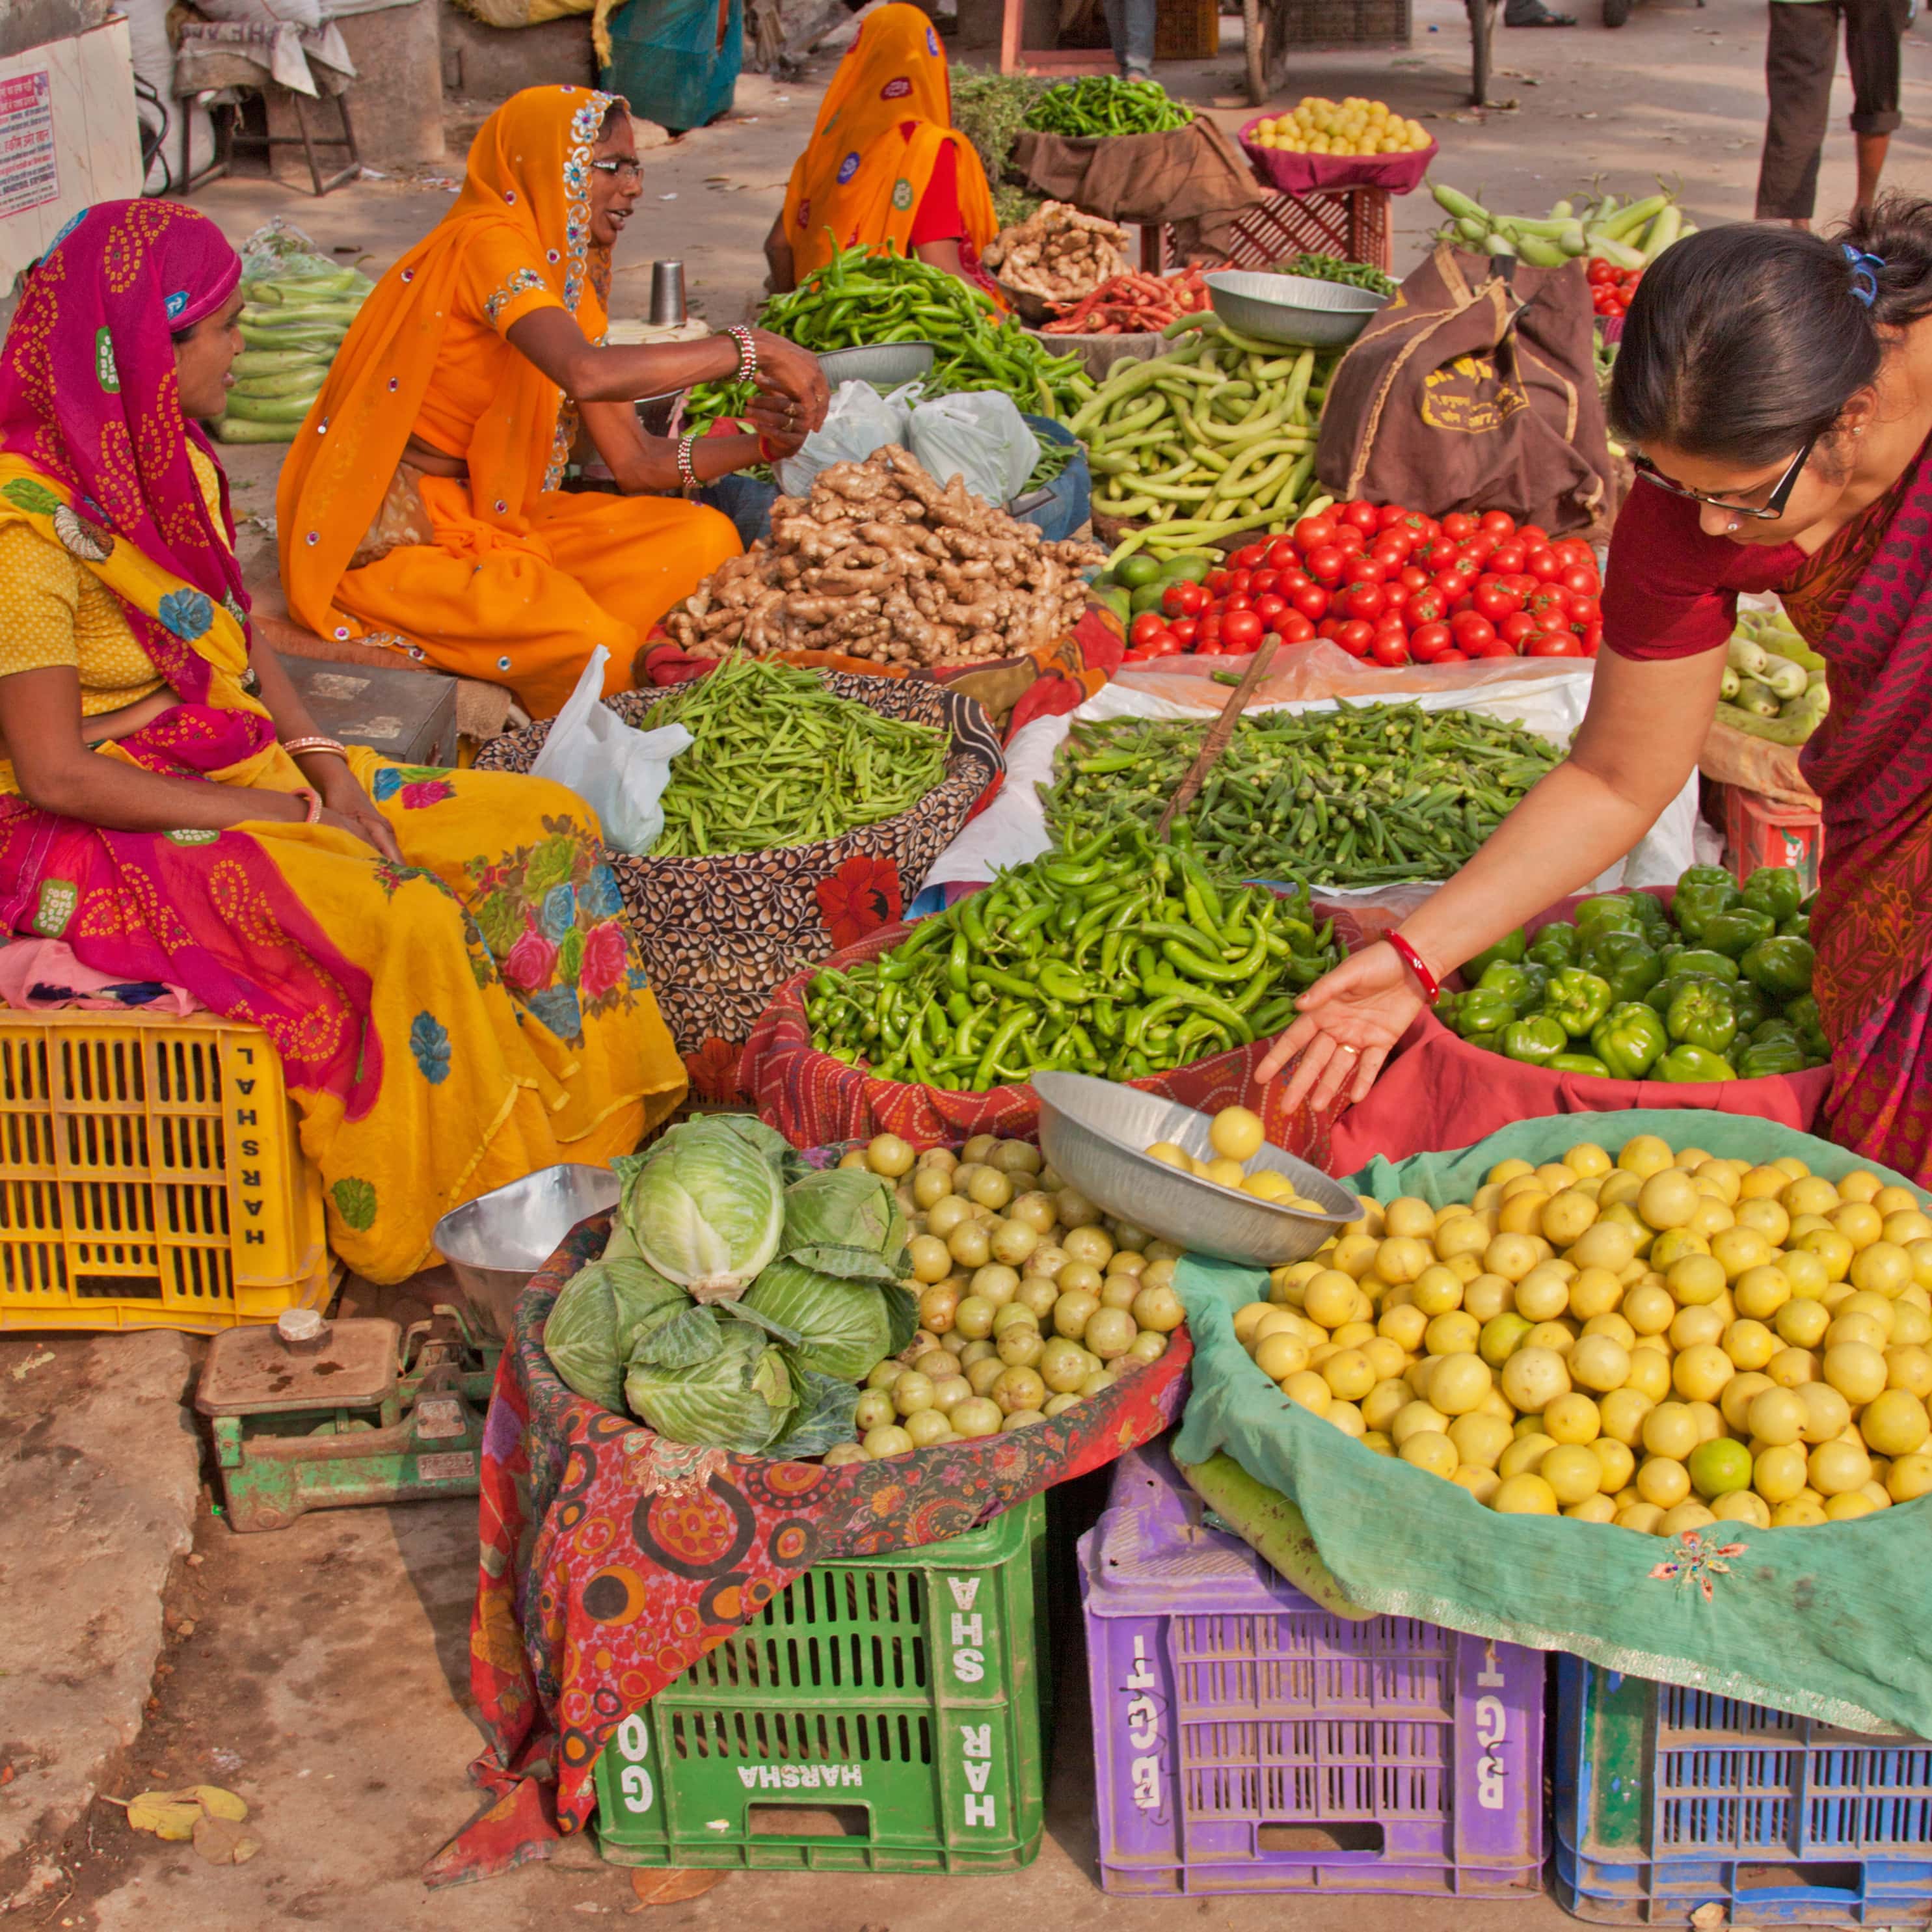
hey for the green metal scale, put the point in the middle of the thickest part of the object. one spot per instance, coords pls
(314, 1414)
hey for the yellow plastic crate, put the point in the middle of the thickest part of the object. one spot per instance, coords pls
(151, 1176)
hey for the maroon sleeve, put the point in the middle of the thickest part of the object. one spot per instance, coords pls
(939, 219)
(1670, 589)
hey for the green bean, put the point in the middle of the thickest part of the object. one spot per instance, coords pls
(1101, 104)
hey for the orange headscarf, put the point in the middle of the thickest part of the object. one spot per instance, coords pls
(861, 178)
(528, 185)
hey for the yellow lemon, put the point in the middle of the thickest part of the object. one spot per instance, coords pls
(1663, 1482)
(1525, 1495)
(1236, 1134)
(1895, 1423)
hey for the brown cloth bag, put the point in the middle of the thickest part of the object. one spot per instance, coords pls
(1475, 389)
(1193, 177)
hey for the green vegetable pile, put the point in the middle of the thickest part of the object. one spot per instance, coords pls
(1329, 268)
(1774, 683)
(1362, 795)
(1115, 957)
(1101, 104)
(292, 325)
(1214, 438)
(1054, 458)
(858, 298)
(990, 110)
(1718, 987)
(741, 1298)
(1631, 234)
(780, 761)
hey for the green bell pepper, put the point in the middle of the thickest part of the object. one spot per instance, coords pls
(1510, 948)
(1774, 890)
(1507, 981)
(1763, 1057)
(1778, 1028)
(1736, 932)
(1703, 959)
(1630, 1040)
(1693, 906)
(1802, 1013)
(1607, 912)
(1538, 976)
(1490, 1040)
(1782, 966)
(1690, 1063)
(1651, 916)
(1627, 960)
(1702, 1015)
(1482, 1010)
(1705, 875)
(1753, 1009)
(1798, 926)
(1577, 1000)
(1555, 946)
(1535, 1041)
(1659, 998)
(1578, 1063)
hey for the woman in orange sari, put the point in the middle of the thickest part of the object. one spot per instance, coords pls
(884, 166)
(419, 505)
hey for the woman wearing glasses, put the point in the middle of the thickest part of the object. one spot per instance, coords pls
(419, 505)
(1776, 388)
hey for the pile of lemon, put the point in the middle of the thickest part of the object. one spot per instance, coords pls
(1350, 126)
(1235, 1134)
(1659, 1342)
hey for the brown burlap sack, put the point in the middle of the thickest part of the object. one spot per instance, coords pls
(1474, 389)
(1193, 177)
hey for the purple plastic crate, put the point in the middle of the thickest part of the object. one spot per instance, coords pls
(1245, 1740)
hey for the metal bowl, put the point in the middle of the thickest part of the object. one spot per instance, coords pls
(1092, 1132)
(1293, 309)
(494, 1243)
(888, 364)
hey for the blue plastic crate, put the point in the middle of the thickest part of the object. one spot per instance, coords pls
(1669, 1800)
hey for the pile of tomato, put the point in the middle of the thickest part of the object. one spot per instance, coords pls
(1391, 586)
(1611, 287)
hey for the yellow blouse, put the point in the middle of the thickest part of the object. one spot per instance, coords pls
(54, 611)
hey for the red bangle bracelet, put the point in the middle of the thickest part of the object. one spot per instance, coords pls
(1431, 987)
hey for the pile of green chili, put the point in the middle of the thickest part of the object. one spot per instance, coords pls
(859, 299)
(779, 761)
(1116, 957)
(1360, 795)
(1102, 104)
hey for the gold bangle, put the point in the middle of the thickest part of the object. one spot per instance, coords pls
(298, 748)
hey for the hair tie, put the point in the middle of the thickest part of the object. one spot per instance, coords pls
(1864, 274)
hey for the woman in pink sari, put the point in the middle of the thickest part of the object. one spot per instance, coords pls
(1778, 388)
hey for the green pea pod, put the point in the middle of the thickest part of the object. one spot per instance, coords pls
(1774, 890)
(1536, 1042)
(1734, 933)
(1578, 1063)
(1630, 1040)
(1782, 966)
(1688, 1063)
(1703, 1016)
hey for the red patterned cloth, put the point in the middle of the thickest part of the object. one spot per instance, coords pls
(812, 1099)
(612, 1560)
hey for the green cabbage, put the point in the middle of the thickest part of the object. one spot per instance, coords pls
(600, 1314)
(739, 1397)
(846, 1222)
(845, 1327)
(706, 1208)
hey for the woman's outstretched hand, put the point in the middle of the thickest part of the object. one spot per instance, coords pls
(1350, 1019)
(793, 373)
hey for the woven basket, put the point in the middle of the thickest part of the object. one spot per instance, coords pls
(718, 934)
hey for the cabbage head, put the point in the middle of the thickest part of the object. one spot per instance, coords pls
(600, 1314)
(844, 1327)
(706, 1208)
(739, 1397)
(846, 1222)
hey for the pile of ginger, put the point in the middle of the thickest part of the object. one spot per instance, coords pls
(879, 562)
(1057, 253)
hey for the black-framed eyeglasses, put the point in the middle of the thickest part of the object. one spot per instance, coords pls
(629, 171)
(1770, 508)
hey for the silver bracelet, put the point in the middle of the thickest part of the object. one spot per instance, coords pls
(685, 472)
(748, 352)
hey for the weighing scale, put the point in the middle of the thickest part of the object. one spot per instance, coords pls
(315, 1414)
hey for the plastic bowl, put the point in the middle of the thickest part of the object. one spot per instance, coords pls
(1092, 1132)
(1293, 309)
(886, 364)
(494, 1243)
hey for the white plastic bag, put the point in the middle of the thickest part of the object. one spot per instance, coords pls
(858, 421)
(983, 438)
(620, 772)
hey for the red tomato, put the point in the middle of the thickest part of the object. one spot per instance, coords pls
(1364, 600)
(1454, 583)
(1452, 657)
(1600, 272)
(1365, 517)
(1183, 600)
(1312, 532)
(1593, 639)
(1573, 549)
(1425, 606)
(1438, 554)
(1427, 642)
(1584, 611)
(1265, 580)
(1292, 581)
(1209, 647)
(1396, 543)
(1168, 647)
(1390, 649)
(1349, 539)
(1553, 644)
(1148, 624)
(1551, 606)
(1186, 629)
(1270, 609)
(1240, 601)
(1218, 580)
(1137, 657)
(1583, 582)
(1296, 629)
(1330, 628)
(1499, 524)
(1457, 525)
(1472, 630)
(1311, 601)
(1543, 565)
(1506, 559)
(1249, 556)
(1366, 570)
(1240, 630)
(1390, 515)
(1413, 579)
(1494, 602)
(1241, 580)
(1533, 536)
(1355, 637)
(1325, 564)
(1481, 548)
(1494, 648)
(1395, 599)
(1281, 555)
(1516, 626)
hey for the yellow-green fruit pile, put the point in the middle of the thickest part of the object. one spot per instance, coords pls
(1660, 1342)
(1355, 126)
(1029, 1298)
(1235, 1134)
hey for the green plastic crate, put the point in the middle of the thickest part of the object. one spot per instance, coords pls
(881, 1715)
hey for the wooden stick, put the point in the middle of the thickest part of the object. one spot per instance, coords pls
(1218, 734)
